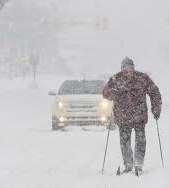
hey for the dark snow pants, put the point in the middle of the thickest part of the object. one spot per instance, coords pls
(140, 145)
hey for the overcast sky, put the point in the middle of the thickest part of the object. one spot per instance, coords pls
(90, 36)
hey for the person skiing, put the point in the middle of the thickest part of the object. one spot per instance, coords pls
(128, 90)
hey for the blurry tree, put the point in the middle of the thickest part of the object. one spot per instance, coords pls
(23, 66)
(34, 62)
(2, 3)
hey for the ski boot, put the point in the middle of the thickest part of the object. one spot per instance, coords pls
(138, 170)
(127, 169)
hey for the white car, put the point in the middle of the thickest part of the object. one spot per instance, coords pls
(80, 103)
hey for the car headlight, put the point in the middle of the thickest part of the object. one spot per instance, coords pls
(103, 118)
(104, 104)
(60, 104)
(62, 119)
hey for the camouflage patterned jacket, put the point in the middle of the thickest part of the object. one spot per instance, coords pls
(129, 98)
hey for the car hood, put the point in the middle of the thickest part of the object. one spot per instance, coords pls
(80, 98)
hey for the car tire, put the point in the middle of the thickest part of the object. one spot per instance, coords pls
(111, 125)
(54, 126)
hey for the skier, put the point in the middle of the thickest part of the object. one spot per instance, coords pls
(128, 90)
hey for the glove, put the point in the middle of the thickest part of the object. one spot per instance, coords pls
(156, 115)
(156, 112)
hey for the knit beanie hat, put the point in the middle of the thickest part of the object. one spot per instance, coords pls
(127, 64)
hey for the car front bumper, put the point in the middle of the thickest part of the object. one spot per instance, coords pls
(80, 121)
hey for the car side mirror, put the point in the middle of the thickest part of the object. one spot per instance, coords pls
(52, 93)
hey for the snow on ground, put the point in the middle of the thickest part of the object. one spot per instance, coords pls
(33, 156)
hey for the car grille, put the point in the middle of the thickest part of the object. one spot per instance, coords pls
(82, 118)
(82, 107)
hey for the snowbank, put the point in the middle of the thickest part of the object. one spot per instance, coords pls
(33, 156)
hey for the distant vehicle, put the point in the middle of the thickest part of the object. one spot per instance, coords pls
(80, 103)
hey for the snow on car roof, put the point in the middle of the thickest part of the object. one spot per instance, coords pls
(71, 87)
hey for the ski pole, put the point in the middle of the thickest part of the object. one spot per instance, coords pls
(107, 140)
(161, 152)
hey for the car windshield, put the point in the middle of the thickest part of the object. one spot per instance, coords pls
(74, 87)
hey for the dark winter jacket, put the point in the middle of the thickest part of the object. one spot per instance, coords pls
(129, 98)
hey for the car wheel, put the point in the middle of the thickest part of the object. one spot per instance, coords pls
(57, 126)
(111, 125)
(54, 126)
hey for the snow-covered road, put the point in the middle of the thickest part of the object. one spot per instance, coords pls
(32, 156)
